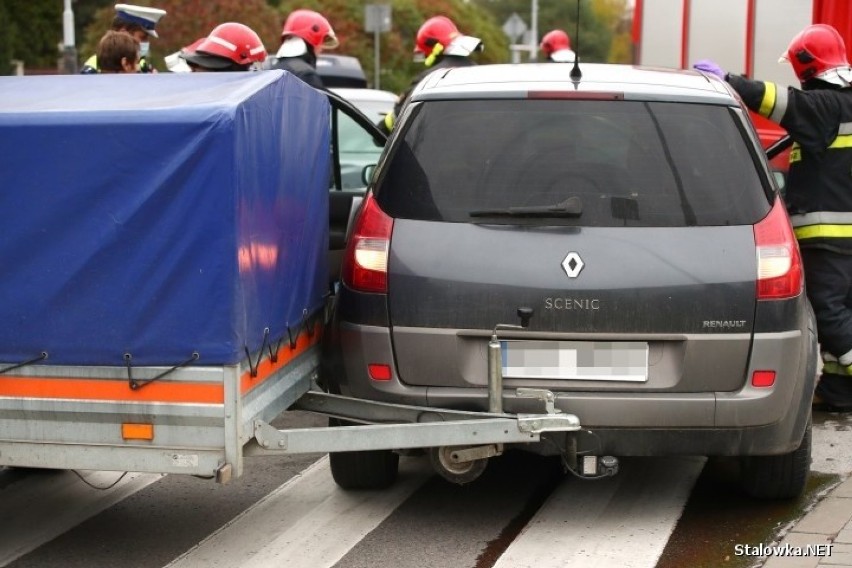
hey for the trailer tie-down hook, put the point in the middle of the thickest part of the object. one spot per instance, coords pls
(138, 384)
(42, 357)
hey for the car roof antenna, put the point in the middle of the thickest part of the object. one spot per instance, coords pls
(576, 74)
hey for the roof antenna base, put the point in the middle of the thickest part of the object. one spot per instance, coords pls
(576, 74)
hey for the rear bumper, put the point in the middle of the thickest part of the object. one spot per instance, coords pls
(748, 421)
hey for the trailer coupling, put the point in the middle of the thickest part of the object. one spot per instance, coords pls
(459, 442)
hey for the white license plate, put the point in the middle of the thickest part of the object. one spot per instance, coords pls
(575, 360)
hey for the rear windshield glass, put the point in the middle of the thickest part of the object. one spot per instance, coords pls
(611, 163)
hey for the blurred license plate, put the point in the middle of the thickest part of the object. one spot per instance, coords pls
(576, 360)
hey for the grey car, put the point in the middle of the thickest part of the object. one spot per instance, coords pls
(625, 227)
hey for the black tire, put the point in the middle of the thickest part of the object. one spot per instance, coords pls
(778, 477)
(375, 469)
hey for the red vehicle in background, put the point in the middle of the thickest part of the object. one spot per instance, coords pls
(743, 36)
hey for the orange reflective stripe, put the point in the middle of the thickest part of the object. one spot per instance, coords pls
(118, 390)
(110, 390)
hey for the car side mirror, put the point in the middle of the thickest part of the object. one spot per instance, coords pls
(367, 174)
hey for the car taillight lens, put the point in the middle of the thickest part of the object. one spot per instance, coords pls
(779, 264)
(365, 264)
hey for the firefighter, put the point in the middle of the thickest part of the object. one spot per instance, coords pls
(442, 46)
(304, 36)
(175, 61)
(138, 21)
(556, 46)
(818, 118)
(229, 47)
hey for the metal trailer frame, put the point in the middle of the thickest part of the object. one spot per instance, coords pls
(204, 421)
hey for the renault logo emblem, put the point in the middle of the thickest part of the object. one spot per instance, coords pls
(572, 265)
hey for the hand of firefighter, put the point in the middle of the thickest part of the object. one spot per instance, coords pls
(709, 67)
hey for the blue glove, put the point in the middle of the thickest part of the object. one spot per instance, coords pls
(709, 67)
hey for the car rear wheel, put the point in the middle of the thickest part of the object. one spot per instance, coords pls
(778, 477)
(376, 469)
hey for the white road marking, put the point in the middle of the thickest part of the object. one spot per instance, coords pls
(308, 522)
(39, 508)
(622, 521)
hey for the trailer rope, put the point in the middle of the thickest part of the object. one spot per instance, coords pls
(254, 366)
(42, 357)
(93, 486)
(138, 384)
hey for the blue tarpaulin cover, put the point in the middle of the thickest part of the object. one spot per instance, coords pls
(159, 215)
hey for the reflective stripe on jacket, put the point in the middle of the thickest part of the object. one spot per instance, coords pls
(819, 185)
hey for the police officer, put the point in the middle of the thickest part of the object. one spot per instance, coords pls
(304, 36)
(556, 46)
(442, 46)
(138, 21)
(229, 47)
(818, 118)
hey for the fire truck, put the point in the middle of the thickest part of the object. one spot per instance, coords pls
(742, 36)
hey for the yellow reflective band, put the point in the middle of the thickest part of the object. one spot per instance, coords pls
(795, 155)
(843, 141)
(768, 102)
(389, 120)
(820, 231)
(92, 62)
(436, 51)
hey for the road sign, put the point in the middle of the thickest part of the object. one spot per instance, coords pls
(514, 27)
(377, 18)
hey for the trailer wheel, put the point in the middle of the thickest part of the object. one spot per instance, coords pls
(778, 477)
(375, 469)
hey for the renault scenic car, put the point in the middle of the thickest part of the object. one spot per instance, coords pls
(631, 217)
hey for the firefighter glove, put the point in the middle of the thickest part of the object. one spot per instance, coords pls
(709, 67)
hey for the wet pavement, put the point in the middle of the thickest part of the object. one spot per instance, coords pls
(823, 535)
(722, 527)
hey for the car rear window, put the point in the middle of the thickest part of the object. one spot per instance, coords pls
(625, 163)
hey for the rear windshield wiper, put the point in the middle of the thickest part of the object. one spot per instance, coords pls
(571, 207)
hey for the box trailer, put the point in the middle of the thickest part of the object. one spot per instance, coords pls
(166, 284)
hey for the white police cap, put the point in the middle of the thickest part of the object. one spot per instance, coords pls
(140, 15)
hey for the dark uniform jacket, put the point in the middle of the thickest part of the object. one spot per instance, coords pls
(819, 186)
(301, 68)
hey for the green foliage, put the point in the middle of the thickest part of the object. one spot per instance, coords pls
(599, 22)
(36, 31)
(5, 41)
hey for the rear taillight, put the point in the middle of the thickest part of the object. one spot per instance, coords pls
(779, 264)
(365, 264)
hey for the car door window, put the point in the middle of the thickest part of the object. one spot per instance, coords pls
(356, 144)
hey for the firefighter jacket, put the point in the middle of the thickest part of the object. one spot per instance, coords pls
(819, 183)
(301, 67)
